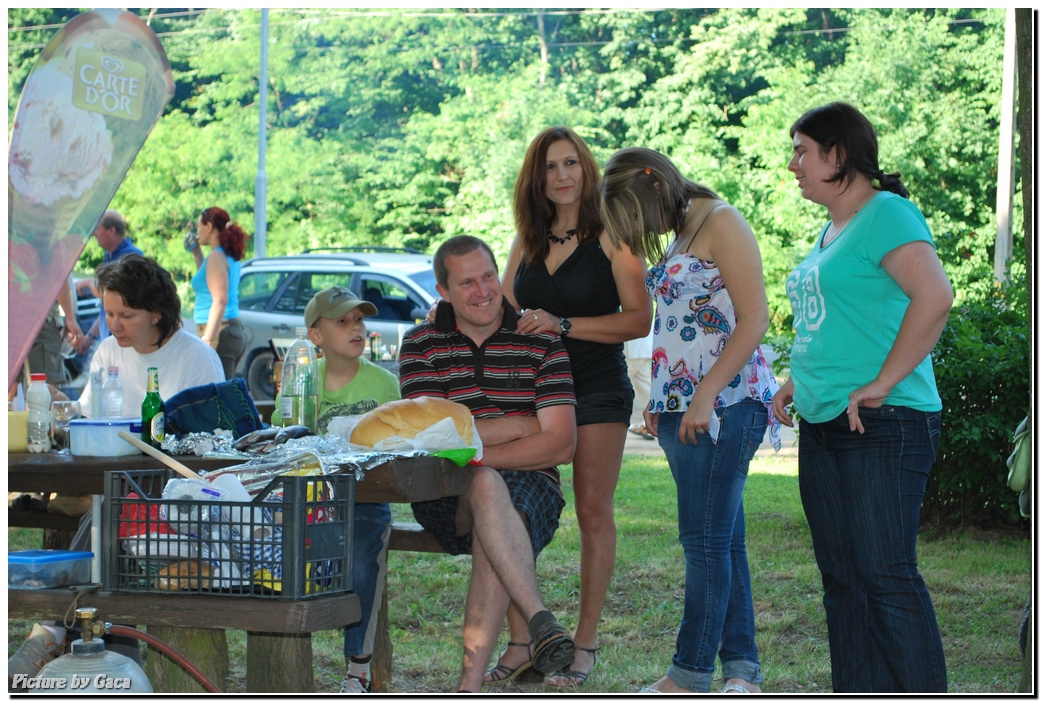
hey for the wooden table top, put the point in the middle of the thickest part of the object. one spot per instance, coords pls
(416, 479)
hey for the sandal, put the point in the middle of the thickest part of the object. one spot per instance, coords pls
(573, 678)
(641, 431)
(501, 674)
(551, 648)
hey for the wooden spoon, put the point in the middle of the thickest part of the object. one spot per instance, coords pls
(159, 455)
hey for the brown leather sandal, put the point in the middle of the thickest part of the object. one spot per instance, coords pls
(573, 678)
(502, 674)
(551, 648)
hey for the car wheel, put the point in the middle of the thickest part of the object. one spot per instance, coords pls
(258, 376)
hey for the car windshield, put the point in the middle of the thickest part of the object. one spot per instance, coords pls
(426, 280)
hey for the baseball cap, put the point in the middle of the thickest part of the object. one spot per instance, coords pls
(334, 302)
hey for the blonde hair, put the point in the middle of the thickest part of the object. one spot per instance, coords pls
(643, 195)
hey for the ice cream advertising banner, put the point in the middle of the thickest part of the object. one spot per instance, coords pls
(95, 93)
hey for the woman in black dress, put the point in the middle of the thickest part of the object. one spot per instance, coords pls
(568, 279)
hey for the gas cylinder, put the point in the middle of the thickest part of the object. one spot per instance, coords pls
(89, 668)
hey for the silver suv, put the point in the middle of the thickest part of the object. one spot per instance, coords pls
(274, 291)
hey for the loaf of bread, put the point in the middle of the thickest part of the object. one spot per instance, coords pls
(184, 575)
(406, 418)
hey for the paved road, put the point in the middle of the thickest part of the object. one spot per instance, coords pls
(635, 444)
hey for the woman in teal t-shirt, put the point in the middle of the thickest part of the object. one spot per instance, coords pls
(869, 303)
(216, 286)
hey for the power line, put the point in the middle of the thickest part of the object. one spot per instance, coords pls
(384, 13)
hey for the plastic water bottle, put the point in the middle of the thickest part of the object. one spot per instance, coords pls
(112, 394)
(38, 399)
(97, 381)
(300, 384)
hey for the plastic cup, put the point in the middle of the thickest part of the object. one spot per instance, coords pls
(68, 349)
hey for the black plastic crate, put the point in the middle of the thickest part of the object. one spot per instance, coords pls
(292, 541)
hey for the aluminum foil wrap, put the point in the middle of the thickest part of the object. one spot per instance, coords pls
(334, 455)
(200, 444)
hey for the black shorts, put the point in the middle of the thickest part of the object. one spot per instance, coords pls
(605, 407)
(534, 493)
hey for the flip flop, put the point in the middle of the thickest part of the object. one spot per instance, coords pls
(736, 689)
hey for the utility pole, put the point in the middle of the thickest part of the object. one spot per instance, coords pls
(260, 196)
(1006, 153)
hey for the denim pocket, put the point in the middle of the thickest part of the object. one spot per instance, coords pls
(934, 423)
(753, 432)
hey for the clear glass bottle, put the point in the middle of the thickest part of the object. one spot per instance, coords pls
(299, 404)
(112, 394)
(38, 402)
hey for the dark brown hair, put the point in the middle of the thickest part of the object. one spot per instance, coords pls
(844, 129)
(230, 236)
(458, 246)
(533, 213)
(144, 285)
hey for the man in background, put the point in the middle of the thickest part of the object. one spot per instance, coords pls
(111, 234)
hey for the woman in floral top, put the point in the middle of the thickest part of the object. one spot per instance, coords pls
(711, 393)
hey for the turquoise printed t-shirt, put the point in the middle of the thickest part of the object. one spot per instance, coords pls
(373, 385)
(848, 311)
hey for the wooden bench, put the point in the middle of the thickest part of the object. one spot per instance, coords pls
(404, 536)
(276, 630)
(270, 645)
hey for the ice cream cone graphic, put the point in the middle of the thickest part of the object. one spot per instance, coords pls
(57, 156)
(86, 108)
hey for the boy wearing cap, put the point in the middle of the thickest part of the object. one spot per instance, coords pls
(350, 384)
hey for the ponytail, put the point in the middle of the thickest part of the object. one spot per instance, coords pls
(230, 236)
(892, 183)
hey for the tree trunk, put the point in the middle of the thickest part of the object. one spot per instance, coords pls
(294, 672)
(206, 649)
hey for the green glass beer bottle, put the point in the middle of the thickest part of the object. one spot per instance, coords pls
(153, 421)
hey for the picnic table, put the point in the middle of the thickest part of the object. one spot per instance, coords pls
(278, 631)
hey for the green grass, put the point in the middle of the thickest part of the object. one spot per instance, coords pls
(979, 582)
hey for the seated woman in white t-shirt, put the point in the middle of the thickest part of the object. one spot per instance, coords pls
(143, 313)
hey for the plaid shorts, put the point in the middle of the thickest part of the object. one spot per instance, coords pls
(534, 493)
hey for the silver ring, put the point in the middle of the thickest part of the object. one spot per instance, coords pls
(535, 317)
(699, 431)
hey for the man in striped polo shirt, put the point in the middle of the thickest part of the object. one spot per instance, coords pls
(519, 389)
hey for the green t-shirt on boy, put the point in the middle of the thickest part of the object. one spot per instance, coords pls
(373, 385)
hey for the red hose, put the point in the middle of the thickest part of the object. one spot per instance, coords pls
(156, 643)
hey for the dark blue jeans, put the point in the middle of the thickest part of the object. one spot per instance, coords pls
(862, 494)
(372, 522)
(718, 616)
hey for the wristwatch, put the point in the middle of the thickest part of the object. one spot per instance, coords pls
(565, 327)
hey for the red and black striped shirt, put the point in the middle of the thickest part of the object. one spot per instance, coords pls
(510, 374)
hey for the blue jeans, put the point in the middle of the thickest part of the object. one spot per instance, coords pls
(862, 494)
(372, 522)
(718, 617)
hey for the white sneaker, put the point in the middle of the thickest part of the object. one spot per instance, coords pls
(352, 686)
(38, 649)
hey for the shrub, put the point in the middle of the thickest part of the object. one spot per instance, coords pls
(982, 363)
